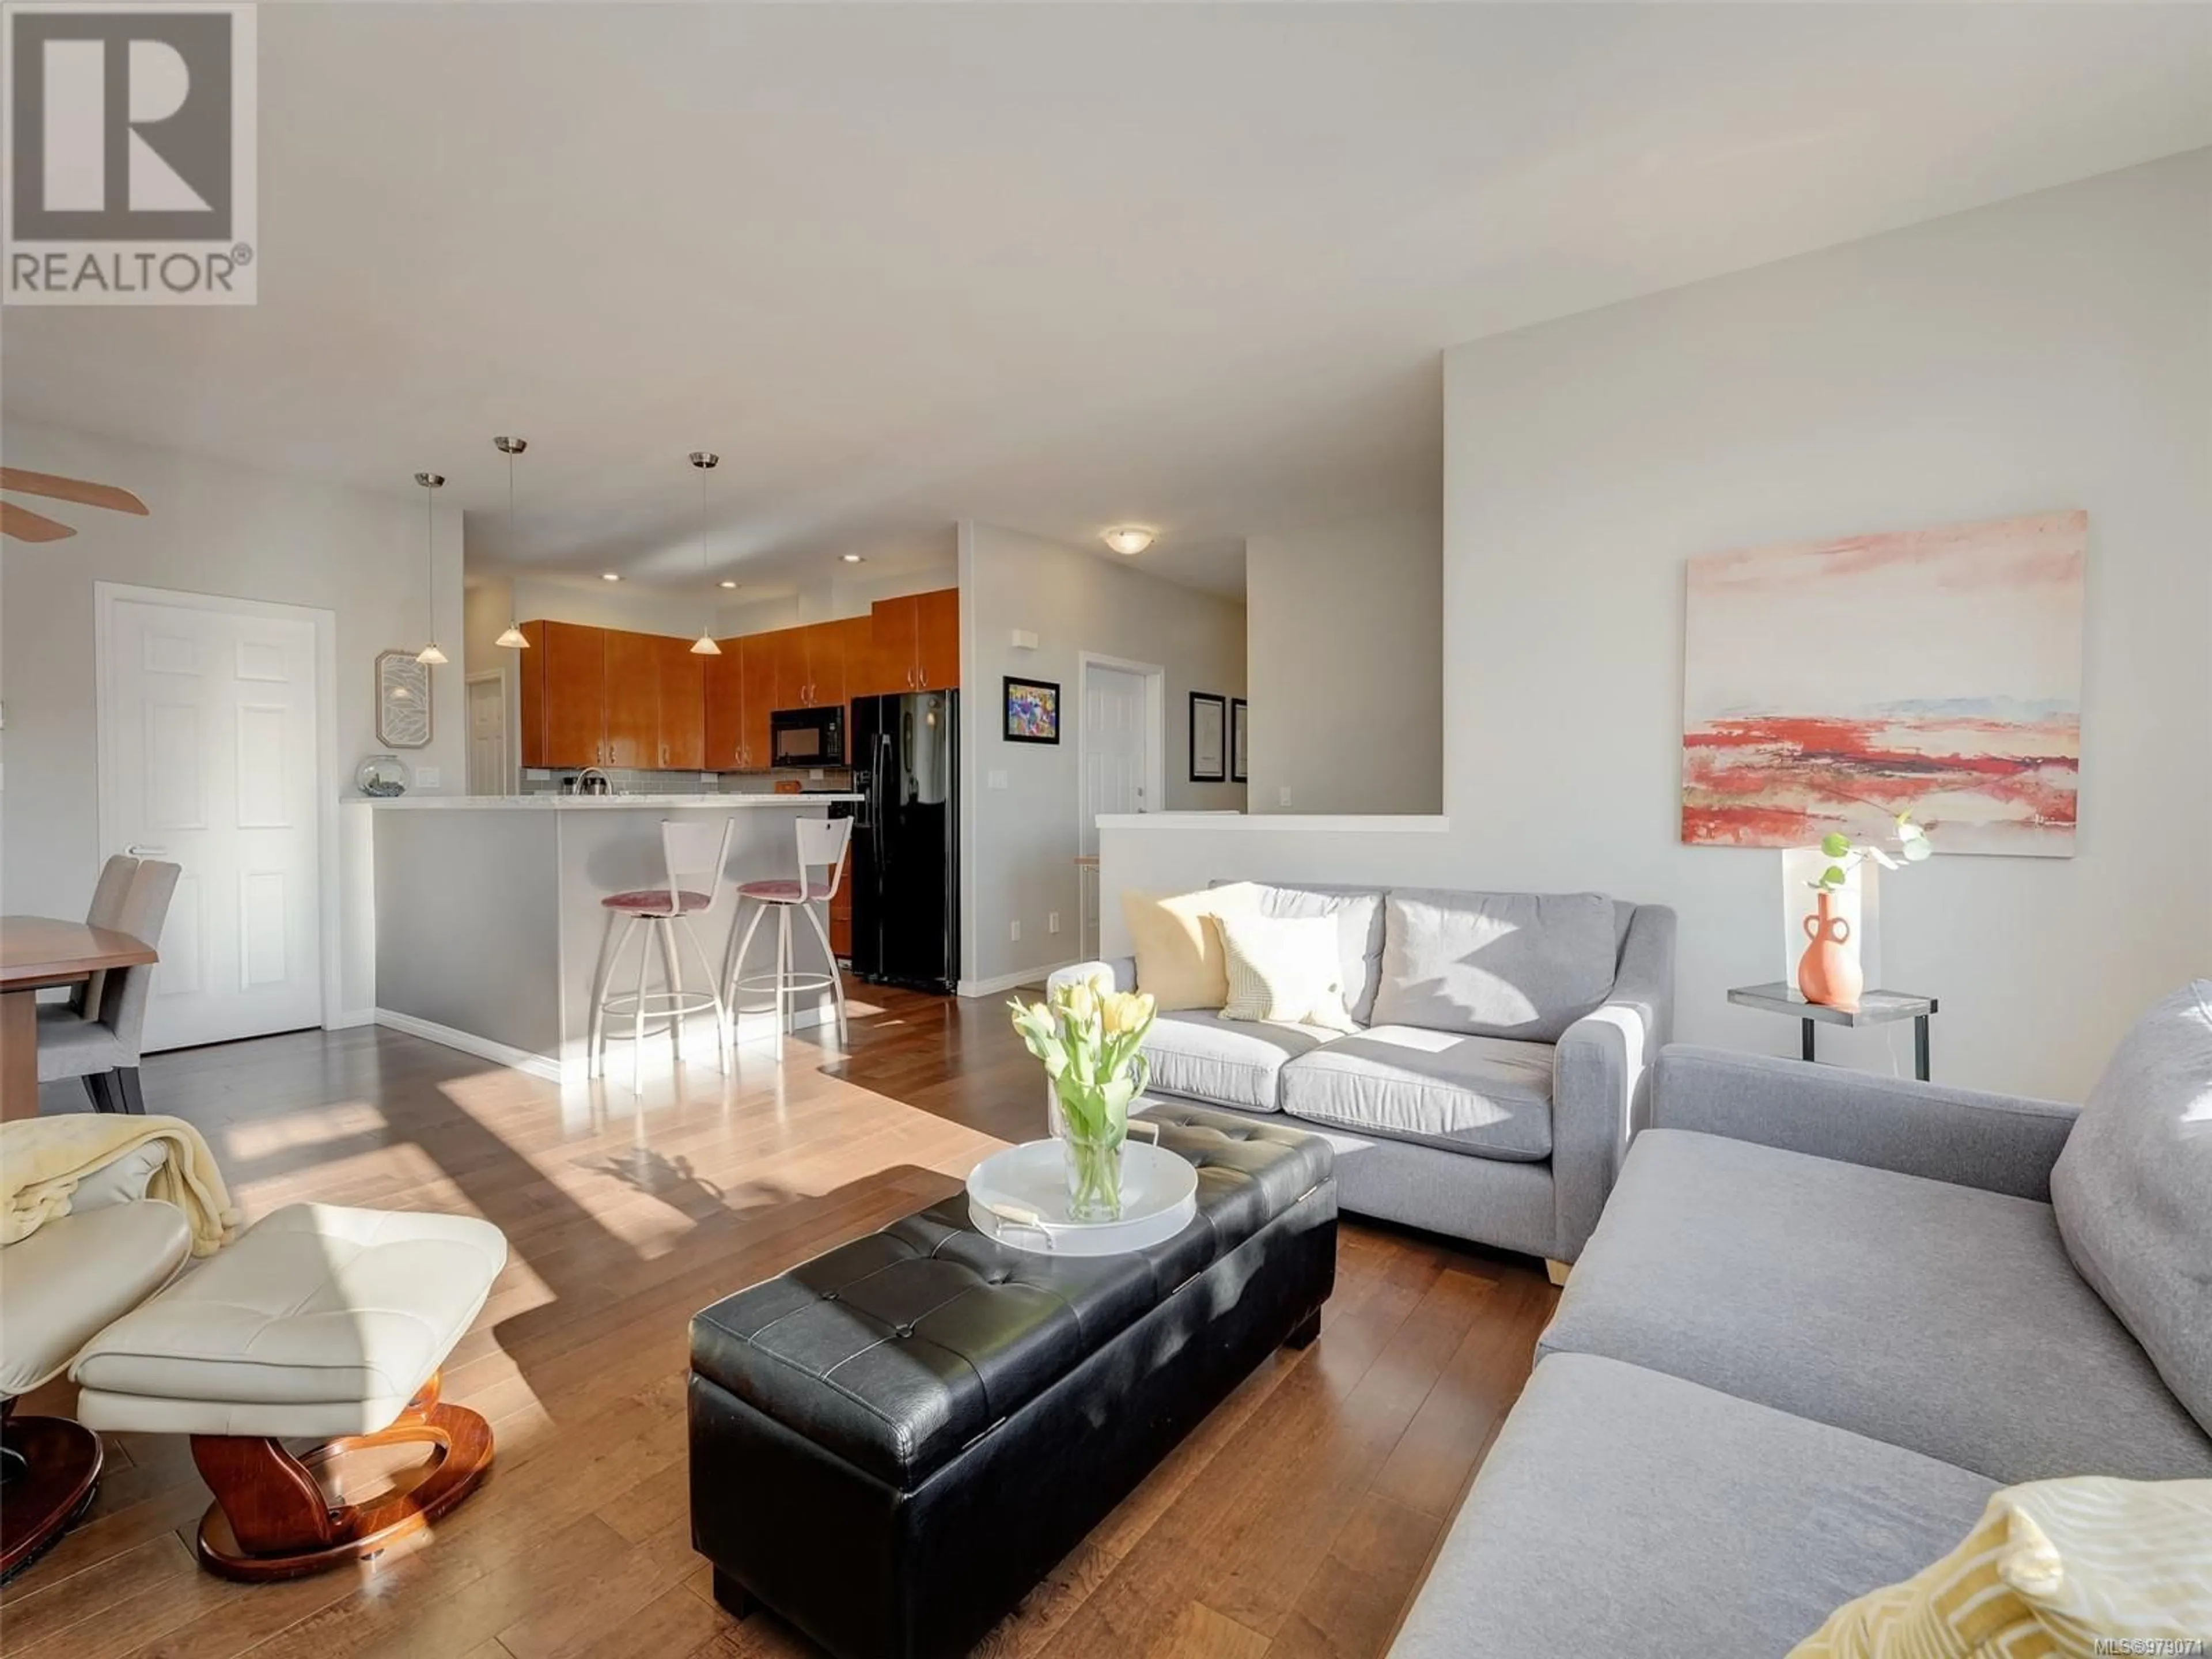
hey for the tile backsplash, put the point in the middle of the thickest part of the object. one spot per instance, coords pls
(545, 780)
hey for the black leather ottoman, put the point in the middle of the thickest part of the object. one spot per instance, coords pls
(891, 1444)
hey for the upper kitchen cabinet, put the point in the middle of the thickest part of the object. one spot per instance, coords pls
(939, 626)
(725, 686)
(633, 682)
(917, 641)
(564, 714)
(683, 685)
(760, 656)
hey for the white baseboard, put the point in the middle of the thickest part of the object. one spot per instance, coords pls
(1019, 977)
(349, 1020)
(521, 1060)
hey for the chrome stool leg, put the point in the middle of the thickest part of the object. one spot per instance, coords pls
(837, 978)
(664, 928)
(733, 967)
(595, 1042)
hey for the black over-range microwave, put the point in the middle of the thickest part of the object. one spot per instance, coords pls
(807, 737)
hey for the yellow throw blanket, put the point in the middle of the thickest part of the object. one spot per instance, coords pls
(42, 1159)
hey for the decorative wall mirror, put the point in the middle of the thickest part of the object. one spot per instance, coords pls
(403, 700)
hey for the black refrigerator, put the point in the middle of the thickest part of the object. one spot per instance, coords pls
(906, 840)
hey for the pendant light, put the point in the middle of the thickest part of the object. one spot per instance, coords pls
(511, 448)
(429, 654)
(706, 460)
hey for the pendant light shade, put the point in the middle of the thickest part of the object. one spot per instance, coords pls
(706, 461)
(431, 482)
(513, 639)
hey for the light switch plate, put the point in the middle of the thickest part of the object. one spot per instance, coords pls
(1052, 922)
(428, 776)
(995, 780)
(1283, 796)
(1016, 933)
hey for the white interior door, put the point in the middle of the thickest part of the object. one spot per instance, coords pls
(488, 737)
(209, 728)
(1117, 760)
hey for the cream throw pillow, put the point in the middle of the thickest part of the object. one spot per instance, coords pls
(1179, 956)
(1284, 968)
(2054, 1566)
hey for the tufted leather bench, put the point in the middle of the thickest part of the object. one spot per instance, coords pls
(892, 1443)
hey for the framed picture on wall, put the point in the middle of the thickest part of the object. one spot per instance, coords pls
(1238, 712)
(1209, 738)
(403, 700)
(1032, 712)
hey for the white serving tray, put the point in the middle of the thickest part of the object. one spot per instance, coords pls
(1019, 1197)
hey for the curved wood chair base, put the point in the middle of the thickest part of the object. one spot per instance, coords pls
(45, 1494)
(271, 1518)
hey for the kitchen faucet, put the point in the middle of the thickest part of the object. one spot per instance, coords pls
(589, 774)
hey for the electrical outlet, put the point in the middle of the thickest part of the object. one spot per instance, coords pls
(428, 776)
(1052, 922)
(1015, 933)
(1283, 796)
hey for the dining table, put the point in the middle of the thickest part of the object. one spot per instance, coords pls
(36, 953)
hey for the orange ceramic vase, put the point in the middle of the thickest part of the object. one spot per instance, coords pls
(1828, 973)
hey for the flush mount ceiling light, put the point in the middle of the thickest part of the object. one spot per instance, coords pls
(852, 558)
(1129, 539)
(511, 448)
(706, 461)
(608, 577)
(429, 654)
(727, 582)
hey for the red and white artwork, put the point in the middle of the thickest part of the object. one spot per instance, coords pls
(1831, 685)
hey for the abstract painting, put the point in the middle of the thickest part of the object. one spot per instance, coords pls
(1032, 711)
(1831, 685)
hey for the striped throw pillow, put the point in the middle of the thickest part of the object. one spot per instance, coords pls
(2056, 1570)
(1284, 968)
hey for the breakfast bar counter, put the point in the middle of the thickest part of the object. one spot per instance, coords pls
(488, 920)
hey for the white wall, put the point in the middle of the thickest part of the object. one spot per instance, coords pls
(2053, 351)
(1346, 635)
(1019, 844)
(213, 528)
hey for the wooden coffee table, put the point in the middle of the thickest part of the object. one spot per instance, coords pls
(36, 951)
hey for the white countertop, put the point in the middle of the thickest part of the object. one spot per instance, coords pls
(551, 802)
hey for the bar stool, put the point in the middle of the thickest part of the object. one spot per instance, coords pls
(694, 856)
(821, 844)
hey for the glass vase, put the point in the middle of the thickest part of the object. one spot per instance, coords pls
(1092, 1133)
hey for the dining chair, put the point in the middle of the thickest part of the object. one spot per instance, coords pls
(822, 845)
(101, 1045)
(105, 910)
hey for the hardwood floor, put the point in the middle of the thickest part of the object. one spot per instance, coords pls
(1297, 1520)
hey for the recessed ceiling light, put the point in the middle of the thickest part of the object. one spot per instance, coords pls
(729, 584)
(852, 558)
(1129, 538)
(608, 577)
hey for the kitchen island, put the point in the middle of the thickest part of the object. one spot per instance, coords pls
(489, 921)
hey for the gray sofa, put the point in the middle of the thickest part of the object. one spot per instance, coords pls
(1825, 1316)
(1504, 1055)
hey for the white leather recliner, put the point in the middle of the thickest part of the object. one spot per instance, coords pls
(58, 1289)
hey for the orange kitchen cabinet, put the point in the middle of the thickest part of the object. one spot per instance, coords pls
(682, 679)
(574, 698)
(633, 700)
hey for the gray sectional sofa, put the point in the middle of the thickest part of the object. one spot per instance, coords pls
(1503, 1058)
(1824, 1317)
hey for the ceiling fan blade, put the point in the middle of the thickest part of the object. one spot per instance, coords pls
(79, 491)
(26, 525)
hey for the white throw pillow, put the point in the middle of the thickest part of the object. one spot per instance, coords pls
(1284, 968)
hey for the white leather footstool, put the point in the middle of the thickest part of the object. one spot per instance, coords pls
(318, 1323)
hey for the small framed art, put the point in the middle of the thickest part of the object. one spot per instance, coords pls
(1237, 721)
(1209, 738)
(1032, 712)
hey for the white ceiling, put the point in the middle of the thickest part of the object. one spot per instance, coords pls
(1058, 267)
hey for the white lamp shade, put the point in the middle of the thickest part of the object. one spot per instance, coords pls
(430, 654)
(513, 639)
(704, 646)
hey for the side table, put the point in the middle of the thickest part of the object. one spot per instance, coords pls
(1875, 1008)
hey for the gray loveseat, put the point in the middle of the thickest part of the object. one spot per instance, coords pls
(1826, 1316)
(1504, 1055)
